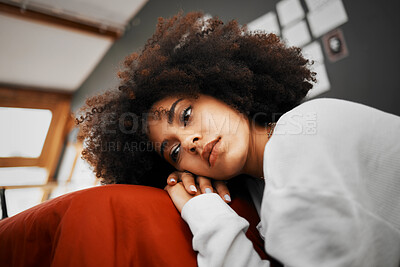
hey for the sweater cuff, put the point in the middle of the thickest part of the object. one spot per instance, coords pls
(203, 209)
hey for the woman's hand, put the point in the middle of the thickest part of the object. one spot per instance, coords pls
(179, 195)
(193, 184)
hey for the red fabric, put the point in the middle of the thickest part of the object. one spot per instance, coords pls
(113, 225)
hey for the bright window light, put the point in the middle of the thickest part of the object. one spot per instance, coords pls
(82, 178)
(82, 173)
(23, 131)
(23, 176)
(67, 163)
(21, 199)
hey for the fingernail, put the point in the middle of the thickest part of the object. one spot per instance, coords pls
(172, 180)
(208, 190)
(193, 188)
(227, 198)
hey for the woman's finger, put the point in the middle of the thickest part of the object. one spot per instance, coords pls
(205, 184)
(178, 194)
(222, 190)
(189, 182)
(173, 178)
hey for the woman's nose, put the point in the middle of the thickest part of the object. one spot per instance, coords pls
(192, 143)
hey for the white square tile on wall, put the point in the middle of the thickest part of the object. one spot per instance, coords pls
(313, 51)
(297, 34)
(327, 17)
(289, 11)
(323, 84)
(315, 4)
(267, 22)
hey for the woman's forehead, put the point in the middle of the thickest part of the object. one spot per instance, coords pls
(161, 109)
(159, 115)
(165, 107)
(166, 102)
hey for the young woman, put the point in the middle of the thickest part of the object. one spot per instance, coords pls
(204, 102)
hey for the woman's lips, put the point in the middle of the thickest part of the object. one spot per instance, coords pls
(208, 149)
(214, 153)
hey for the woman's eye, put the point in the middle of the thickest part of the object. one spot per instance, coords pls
(186, 115)
(175, 153)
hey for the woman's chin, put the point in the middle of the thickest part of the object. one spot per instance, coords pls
(226, 176)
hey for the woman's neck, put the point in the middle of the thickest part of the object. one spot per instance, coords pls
(258, 140)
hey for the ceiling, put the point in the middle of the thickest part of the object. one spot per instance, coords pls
(43, 54)
(116, 13)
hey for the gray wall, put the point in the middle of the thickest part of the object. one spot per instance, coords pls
(369, 75)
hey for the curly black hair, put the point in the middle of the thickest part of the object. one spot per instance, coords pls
(188, 55)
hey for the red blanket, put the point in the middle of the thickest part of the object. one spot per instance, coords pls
(113, 225)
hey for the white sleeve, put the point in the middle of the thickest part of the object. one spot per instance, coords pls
(307, 228)
(219, 233)
(317, 208)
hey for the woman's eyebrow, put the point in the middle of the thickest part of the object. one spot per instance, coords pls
(171, 112)
(171, 116)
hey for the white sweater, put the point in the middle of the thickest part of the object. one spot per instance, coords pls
(331, 197)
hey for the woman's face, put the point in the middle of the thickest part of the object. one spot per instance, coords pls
(204, 136)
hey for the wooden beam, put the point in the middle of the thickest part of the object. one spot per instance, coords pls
(55, 137)
(19, 162)
(67, 22)
(30, 98)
